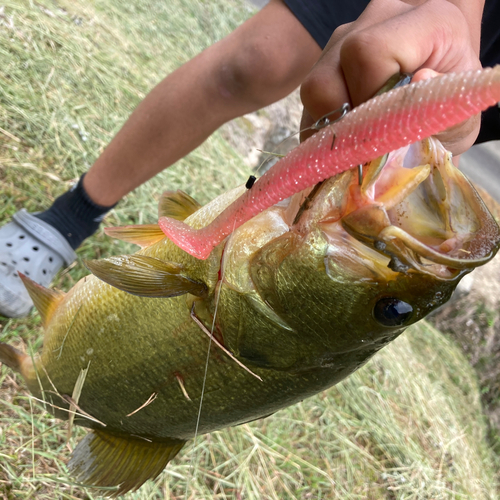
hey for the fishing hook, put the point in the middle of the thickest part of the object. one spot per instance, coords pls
(324, 121)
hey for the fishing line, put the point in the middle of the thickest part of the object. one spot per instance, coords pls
(323, 122)
(204, 383)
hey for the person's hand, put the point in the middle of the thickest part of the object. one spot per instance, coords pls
(412, 36)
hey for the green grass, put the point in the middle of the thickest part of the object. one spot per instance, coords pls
(407, 426)
(72, 73)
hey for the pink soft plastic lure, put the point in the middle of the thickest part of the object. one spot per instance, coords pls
(379, 126)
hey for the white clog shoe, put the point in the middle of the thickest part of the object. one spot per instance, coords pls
(34, 248)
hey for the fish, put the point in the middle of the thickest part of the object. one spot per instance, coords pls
(156, 347)
(384, 123)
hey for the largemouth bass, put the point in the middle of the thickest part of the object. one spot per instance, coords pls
(295, 300)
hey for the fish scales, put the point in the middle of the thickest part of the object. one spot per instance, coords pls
(88, 330)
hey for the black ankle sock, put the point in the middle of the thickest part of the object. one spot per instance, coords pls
(75, 215)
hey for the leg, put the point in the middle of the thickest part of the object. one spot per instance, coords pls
(260, 62)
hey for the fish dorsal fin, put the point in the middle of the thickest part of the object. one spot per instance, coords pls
(46, 300)
(143, 235)
(103, 459)
(145, 276)
(177, 205)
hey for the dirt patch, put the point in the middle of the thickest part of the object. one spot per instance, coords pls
(273, 129)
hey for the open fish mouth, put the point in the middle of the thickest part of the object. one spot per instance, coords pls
(416, 208)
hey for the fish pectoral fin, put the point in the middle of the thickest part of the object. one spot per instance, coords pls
(143, 235)
(177, 205)
(45, 300)
(103, 459)
(145, 276)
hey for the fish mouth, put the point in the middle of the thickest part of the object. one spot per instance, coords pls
(416, 208)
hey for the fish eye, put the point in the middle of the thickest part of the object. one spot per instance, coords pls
(392, 312)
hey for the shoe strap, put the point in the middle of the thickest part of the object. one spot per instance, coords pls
(45, 234)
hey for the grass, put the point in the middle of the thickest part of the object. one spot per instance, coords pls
(409, 425)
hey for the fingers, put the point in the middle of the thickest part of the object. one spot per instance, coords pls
(327, 84)
(433, 35)
(391, 36)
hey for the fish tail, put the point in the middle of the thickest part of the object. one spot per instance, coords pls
(12, 357)
(21, 363)
(103, 459)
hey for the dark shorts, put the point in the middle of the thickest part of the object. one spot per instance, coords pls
(322, 17)
(490, 55)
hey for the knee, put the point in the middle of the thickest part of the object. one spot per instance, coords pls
(255, 73)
